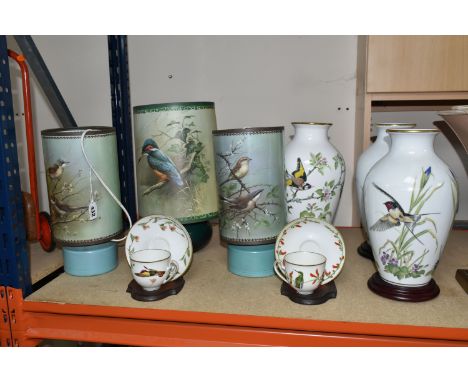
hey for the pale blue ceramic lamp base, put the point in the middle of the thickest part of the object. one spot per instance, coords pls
(90, 260)
(251, 260)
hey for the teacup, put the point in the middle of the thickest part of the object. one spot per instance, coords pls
(302, 270)
(152, 268)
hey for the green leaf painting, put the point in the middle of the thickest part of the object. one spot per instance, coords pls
(319, 197)
(402, 257)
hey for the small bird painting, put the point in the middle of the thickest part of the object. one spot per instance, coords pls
(148, 272)
(396, 215)
(240, 169)
(61, 208)
(56, 170)
(244, 203)
(162, 166)
(299, 280)
(298, 179)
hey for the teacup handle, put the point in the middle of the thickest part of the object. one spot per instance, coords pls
(172, 270)
(279, 272)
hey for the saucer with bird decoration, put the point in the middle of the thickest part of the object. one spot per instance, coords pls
(162, 232)
(313, 235)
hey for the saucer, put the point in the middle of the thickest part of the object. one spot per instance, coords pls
(161, 232)
(313, 235)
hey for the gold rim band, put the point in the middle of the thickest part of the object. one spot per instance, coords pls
(395, 124)
(312, 123)
(412, 131)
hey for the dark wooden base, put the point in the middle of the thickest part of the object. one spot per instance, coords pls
(169, 289)
(200, 234)
(365, 250)
(461, 275)
(321, 295)
(401, 293)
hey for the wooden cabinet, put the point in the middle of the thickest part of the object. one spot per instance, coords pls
(417, 63)
(408, 73)
(405, 73)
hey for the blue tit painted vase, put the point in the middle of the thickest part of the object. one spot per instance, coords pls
(83, 214)
(175, 164)
(250, 176)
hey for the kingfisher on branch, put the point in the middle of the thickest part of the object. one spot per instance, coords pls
(163, 167)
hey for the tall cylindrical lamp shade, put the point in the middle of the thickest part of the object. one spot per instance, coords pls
(84, 216)
(175, 161)
(73, 188)
(250, 175)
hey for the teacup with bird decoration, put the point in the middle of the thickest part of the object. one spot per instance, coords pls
(302, 270)
(313, 235)
(151, 268)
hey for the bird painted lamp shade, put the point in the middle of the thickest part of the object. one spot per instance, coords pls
(175, 161)
(249, 172)
(72, 187)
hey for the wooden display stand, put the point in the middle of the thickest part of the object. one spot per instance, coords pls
(169, 289)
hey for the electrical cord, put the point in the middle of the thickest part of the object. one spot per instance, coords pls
(105, 186)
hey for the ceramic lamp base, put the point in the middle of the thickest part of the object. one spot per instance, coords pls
(365, 250)
(200, 234)
(251, 260)
(90, 260)
(169, 289)
(321, 295)
(401, 293)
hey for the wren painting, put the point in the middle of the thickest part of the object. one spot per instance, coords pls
(249, 171)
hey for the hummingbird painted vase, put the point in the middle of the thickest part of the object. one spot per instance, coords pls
(410, 200)
(175, 160)
(314, 174)
(82, 211)
(369, 157)
(249, 172)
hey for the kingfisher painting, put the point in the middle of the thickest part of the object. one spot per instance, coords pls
(162, 166)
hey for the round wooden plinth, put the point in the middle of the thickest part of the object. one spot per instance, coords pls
(321, 295)
(169, 289)
(365, 250)
(401, 293)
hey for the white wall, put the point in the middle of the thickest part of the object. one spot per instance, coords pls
(256, 81)
(442, 146)
(79, 66)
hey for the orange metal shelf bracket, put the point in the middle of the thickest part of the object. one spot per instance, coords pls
(17, 318)
(5, 330)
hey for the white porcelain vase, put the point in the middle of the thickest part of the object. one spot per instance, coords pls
(410, 199)
(369, 157)
(315, 173)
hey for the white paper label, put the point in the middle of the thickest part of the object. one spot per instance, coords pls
(92, 210)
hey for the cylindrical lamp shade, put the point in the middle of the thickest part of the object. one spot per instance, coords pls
(82, 211)
(250, 176)
(175, 161)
